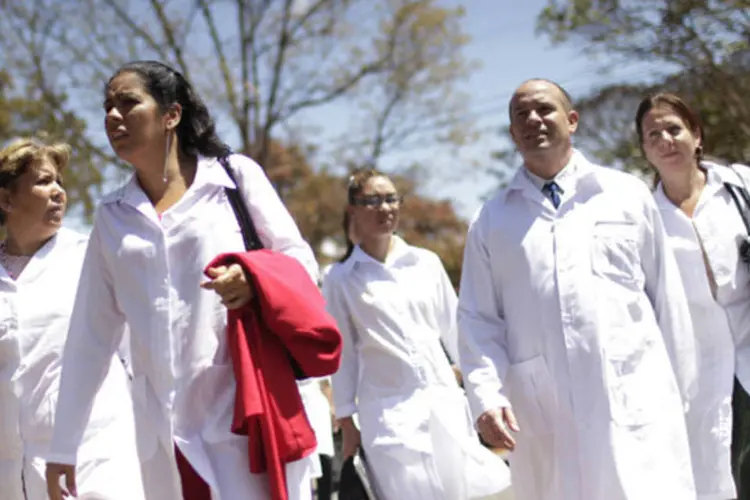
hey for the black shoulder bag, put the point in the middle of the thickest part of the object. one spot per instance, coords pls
(249, 235)
(736, 193)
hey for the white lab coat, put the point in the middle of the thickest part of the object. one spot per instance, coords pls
(717, 220)
(145, 272)
(577, 317)
(34, 316)
(319, 414)
(395, 375)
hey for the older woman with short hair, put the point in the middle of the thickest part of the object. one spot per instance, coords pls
(40, 263)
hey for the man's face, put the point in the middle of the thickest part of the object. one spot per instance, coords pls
(540, 119)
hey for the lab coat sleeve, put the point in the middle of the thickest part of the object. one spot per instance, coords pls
(481, 325)
(665, 290)
(275, 226)
(11, 479)
(344, 381)
(96, 330)
(11, 447)
(447, 307)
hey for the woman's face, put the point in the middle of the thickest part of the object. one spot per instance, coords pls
(376, 209)
(37, 201)
(668, 142)
(136, 127)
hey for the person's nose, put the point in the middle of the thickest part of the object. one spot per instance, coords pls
(665, 139)
(58, 193)
(113, 115)
(533, 118)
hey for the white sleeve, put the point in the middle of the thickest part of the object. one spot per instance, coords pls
(344, 381)
(11, 446)
(481, 325)
(447, 305)
(275, 226)
(11, 479)
(96, 330)
(665, 290)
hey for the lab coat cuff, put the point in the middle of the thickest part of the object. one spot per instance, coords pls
(59, 458)
(489, 401)
(345, 410)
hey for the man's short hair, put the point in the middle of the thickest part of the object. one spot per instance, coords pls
(567, 99)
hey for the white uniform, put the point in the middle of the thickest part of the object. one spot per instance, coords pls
(34, 316)
(416, 430)
(717, 226)
(145, 272)
(319, 414)
(577, 317)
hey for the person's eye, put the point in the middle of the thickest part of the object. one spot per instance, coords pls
(675, 130)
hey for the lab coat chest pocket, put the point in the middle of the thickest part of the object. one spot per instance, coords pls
(532, 395)
(614, 253)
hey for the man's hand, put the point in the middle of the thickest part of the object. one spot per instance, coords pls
(351, 435)
(495, 427)
(54, 472)
(231, 285)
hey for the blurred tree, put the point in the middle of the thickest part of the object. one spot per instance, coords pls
(705, 42)
(317, 200)
(27, 114)
(264, 65)
(432, 224)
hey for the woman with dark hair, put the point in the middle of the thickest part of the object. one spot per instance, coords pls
(151, 241)
(395, 308)
(705, 208)
(40, 263)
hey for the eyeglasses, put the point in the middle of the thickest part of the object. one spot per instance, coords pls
(375, 201)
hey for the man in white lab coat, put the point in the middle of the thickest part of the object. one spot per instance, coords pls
(575, 337)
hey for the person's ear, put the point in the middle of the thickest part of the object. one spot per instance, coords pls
(173, 116)
(5, 203)
(572, 121)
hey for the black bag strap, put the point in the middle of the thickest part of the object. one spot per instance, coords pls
(249, 234)
(740, 191)
(733, 192)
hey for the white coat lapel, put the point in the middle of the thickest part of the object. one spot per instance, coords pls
(523, 185)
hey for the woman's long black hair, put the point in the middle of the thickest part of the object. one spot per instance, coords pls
(196, 132)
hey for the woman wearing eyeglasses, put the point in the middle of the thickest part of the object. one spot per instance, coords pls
(701, 203)
(395, 307)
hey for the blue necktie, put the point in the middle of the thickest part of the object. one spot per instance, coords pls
(552, 190)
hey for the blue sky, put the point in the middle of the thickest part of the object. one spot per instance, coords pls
(509, 51)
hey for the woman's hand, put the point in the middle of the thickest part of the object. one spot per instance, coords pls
(352, 437)
(231, 284)
(54, 472)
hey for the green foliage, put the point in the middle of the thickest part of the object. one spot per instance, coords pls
(703, 42)
(32, 115)
(264, 67)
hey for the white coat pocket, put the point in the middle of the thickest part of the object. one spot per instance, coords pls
(614, 253)
(532, 395)
(632, 365)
